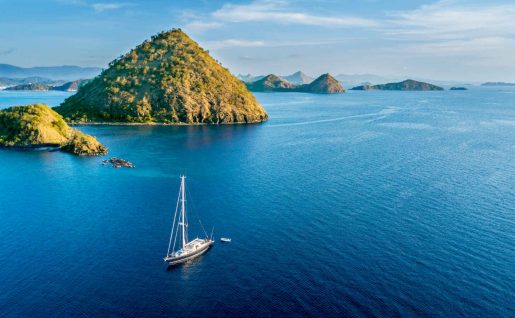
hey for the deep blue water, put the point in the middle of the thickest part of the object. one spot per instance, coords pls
(362, 204)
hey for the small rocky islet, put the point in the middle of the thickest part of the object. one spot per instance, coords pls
(118, 163)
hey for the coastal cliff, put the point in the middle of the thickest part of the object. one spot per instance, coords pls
(167, 79)
(38, 126)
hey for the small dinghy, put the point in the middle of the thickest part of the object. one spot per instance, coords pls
(225, 240)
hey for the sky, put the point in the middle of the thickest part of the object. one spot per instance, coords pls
(444, 40)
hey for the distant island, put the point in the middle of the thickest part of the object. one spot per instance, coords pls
(167, 79)
(324, 84)
(459, 88)
(66, 87)
(297, 78)
(407, 85)
(352, 80)
(30, 87)
(271, 83)
(38, 126)
(497, 84)
(6, 82)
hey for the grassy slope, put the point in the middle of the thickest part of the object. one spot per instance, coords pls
(37, 125)
(168, 79)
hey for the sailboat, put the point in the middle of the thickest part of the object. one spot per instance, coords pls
(187, 249)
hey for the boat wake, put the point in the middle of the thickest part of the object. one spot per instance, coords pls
(384, 112)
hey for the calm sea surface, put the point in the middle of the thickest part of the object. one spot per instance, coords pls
(362, 204)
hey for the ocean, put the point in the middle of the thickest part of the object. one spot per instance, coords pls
(365, 204)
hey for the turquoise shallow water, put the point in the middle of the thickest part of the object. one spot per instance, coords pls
(361, 204)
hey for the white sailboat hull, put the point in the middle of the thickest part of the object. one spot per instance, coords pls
(188, 255)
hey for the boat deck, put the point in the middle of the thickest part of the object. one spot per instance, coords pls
(192, 246)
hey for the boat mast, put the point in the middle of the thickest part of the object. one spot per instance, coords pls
(183, 212)
(174, 237)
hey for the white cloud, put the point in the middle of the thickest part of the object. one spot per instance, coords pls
(476, 47)
(279, 12)
(258, 43)
(477, 35)
(453, 20)
(100, 7)
(199, 26)
(234, 43)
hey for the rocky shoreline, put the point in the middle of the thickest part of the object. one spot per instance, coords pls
(78, 124)
(41, 147)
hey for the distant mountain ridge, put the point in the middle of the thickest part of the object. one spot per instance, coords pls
(65, 72)
(249, 78)
(40, 87)
(351, 80)
(30, 87)
(298, 78)
(7, 82)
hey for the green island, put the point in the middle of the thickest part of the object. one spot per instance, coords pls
(37, 126)
(168, 79)
(324, 84)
